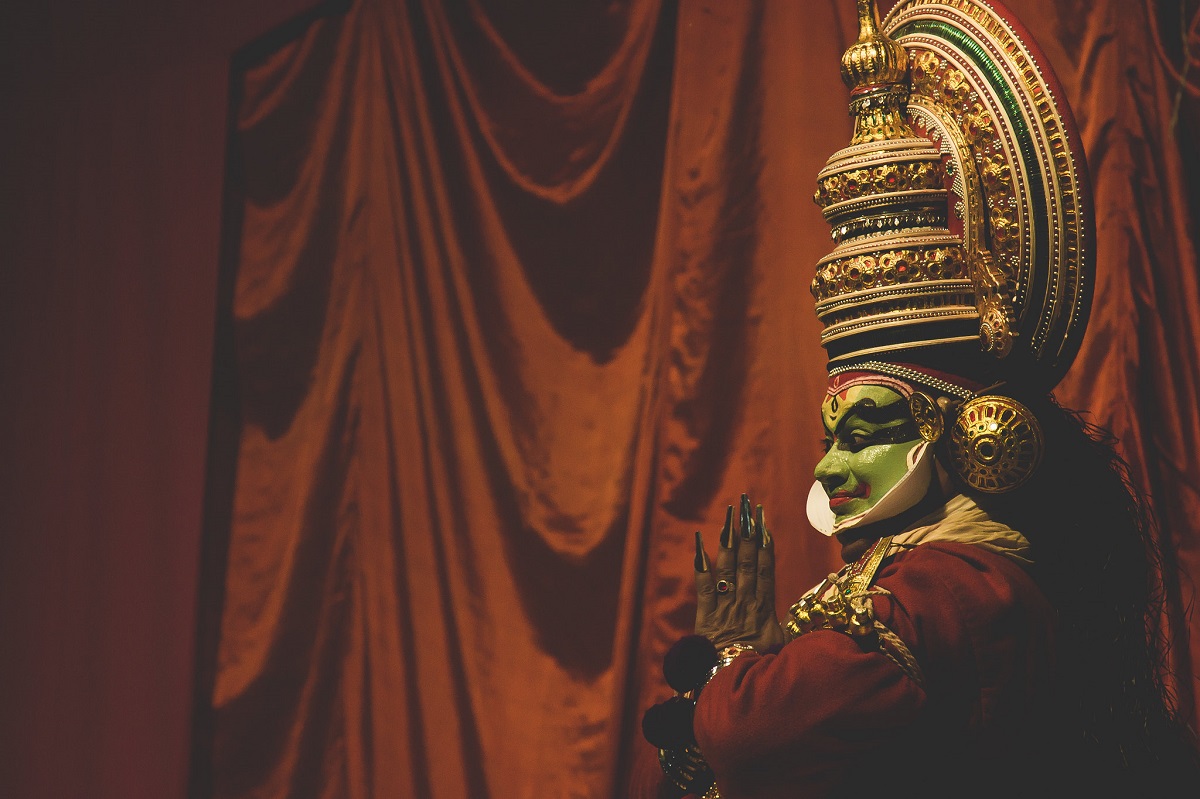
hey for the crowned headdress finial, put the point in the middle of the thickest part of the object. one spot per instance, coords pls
(875, 69)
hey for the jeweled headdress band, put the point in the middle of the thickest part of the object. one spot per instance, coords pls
(918, 378)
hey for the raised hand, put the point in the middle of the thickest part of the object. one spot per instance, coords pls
(735, 600)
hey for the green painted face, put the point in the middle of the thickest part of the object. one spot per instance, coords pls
(868, 435)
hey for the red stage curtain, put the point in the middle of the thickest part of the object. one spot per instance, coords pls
(111, 153)
(520, 307)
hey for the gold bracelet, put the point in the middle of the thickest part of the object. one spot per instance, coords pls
(726, 656)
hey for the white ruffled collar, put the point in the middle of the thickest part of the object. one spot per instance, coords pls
(961, 521)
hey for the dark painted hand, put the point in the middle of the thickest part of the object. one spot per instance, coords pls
(735, 600)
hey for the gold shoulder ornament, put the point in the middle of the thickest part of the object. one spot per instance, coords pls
(843, 603)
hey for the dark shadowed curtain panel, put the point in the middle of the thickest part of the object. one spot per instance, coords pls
(1138, 373)
(519, 307)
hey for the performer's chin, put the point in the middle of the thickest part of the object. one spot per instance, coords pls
(855, 543)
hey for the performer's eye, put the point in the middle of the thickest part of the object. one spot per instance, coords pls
(857, 440)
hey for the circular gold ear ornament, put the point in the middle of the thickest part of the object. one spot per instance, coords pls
(927, 415)
(995, 444)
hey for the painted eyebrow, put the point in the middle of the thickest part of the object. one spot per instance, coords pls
(869, 412)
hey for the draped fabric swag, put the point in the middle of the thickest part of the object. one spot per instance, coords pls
(518, 308)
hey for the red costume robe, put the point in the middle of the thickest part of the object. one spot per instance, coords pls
(830, 716)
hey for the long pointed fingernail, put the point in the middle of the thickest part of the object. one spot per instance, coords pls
(727, 530)
(765, 534)
(701, 557)
(744, 519)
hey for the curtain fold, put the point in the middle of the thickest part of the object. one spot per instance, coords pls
(518, 312)
(453, 458)
(578, 123)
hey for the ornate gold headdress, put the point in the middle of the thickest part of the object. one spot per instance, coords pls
(961, 217)
(960, 211)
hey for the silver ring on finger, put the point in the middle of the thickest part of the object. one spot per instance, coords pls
(724, 586)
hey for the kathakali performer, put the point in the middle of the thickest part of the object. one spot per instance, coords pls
(990, 633)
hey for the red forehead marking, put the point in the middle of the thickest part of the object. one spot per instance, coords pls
(840, 385)
(841, 382)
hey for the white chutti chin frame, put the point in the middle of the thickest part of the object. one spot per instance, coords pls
(908, 491)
